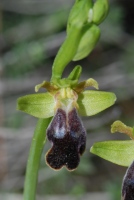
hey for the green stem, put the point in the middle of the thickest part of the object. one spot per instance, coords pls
(66, 52)
(37, 145)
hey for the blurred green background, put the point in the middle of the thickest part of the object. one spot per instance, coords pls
(31, 32)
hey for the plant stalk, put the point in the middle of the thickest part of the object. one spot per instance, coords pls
(37, 145)
(66, 52)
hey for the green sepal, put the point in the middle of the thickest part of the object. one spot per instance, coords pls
(38, 105)
(118, 152)
(92, 102)
(90, 36)
(100, 11)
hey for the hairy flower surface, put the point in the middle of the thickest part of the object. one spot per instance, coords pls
(68, 137)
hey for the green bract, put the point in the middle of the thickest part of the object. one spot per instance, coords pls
(118, 152)
(90, 36)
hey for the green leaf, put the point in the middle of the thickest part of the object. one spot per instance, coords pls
(100, 11)
(90, 36)
(92, 102)
(39, 105)
(118, 152)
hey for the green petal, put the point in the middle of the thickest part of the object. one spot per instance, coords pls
(118, 152)
(39, 105)
(92, 102)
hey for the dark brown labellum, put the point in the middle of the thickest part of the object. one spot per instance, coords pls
(68, 138)
(128, 184)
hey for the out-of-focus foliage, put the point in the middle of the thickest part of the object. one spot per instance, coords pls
(29, 41)
(31, 33)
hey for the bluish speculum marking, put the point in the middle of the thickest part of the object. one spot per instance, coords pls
(68, 137)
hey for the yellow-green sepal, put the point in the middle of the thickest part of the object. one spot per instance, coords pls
(92, 102)
(100, 11)
(90, 36)
(118, 152)
(38, 105)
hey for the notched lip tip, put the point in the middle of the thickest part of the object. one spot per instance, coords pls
(58, 169)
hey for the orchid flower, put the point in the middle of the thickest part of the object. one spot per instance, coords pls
(65, 100)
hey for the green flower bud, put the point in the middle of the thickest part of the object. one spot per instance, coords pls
(78, 16)
(100, 11)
